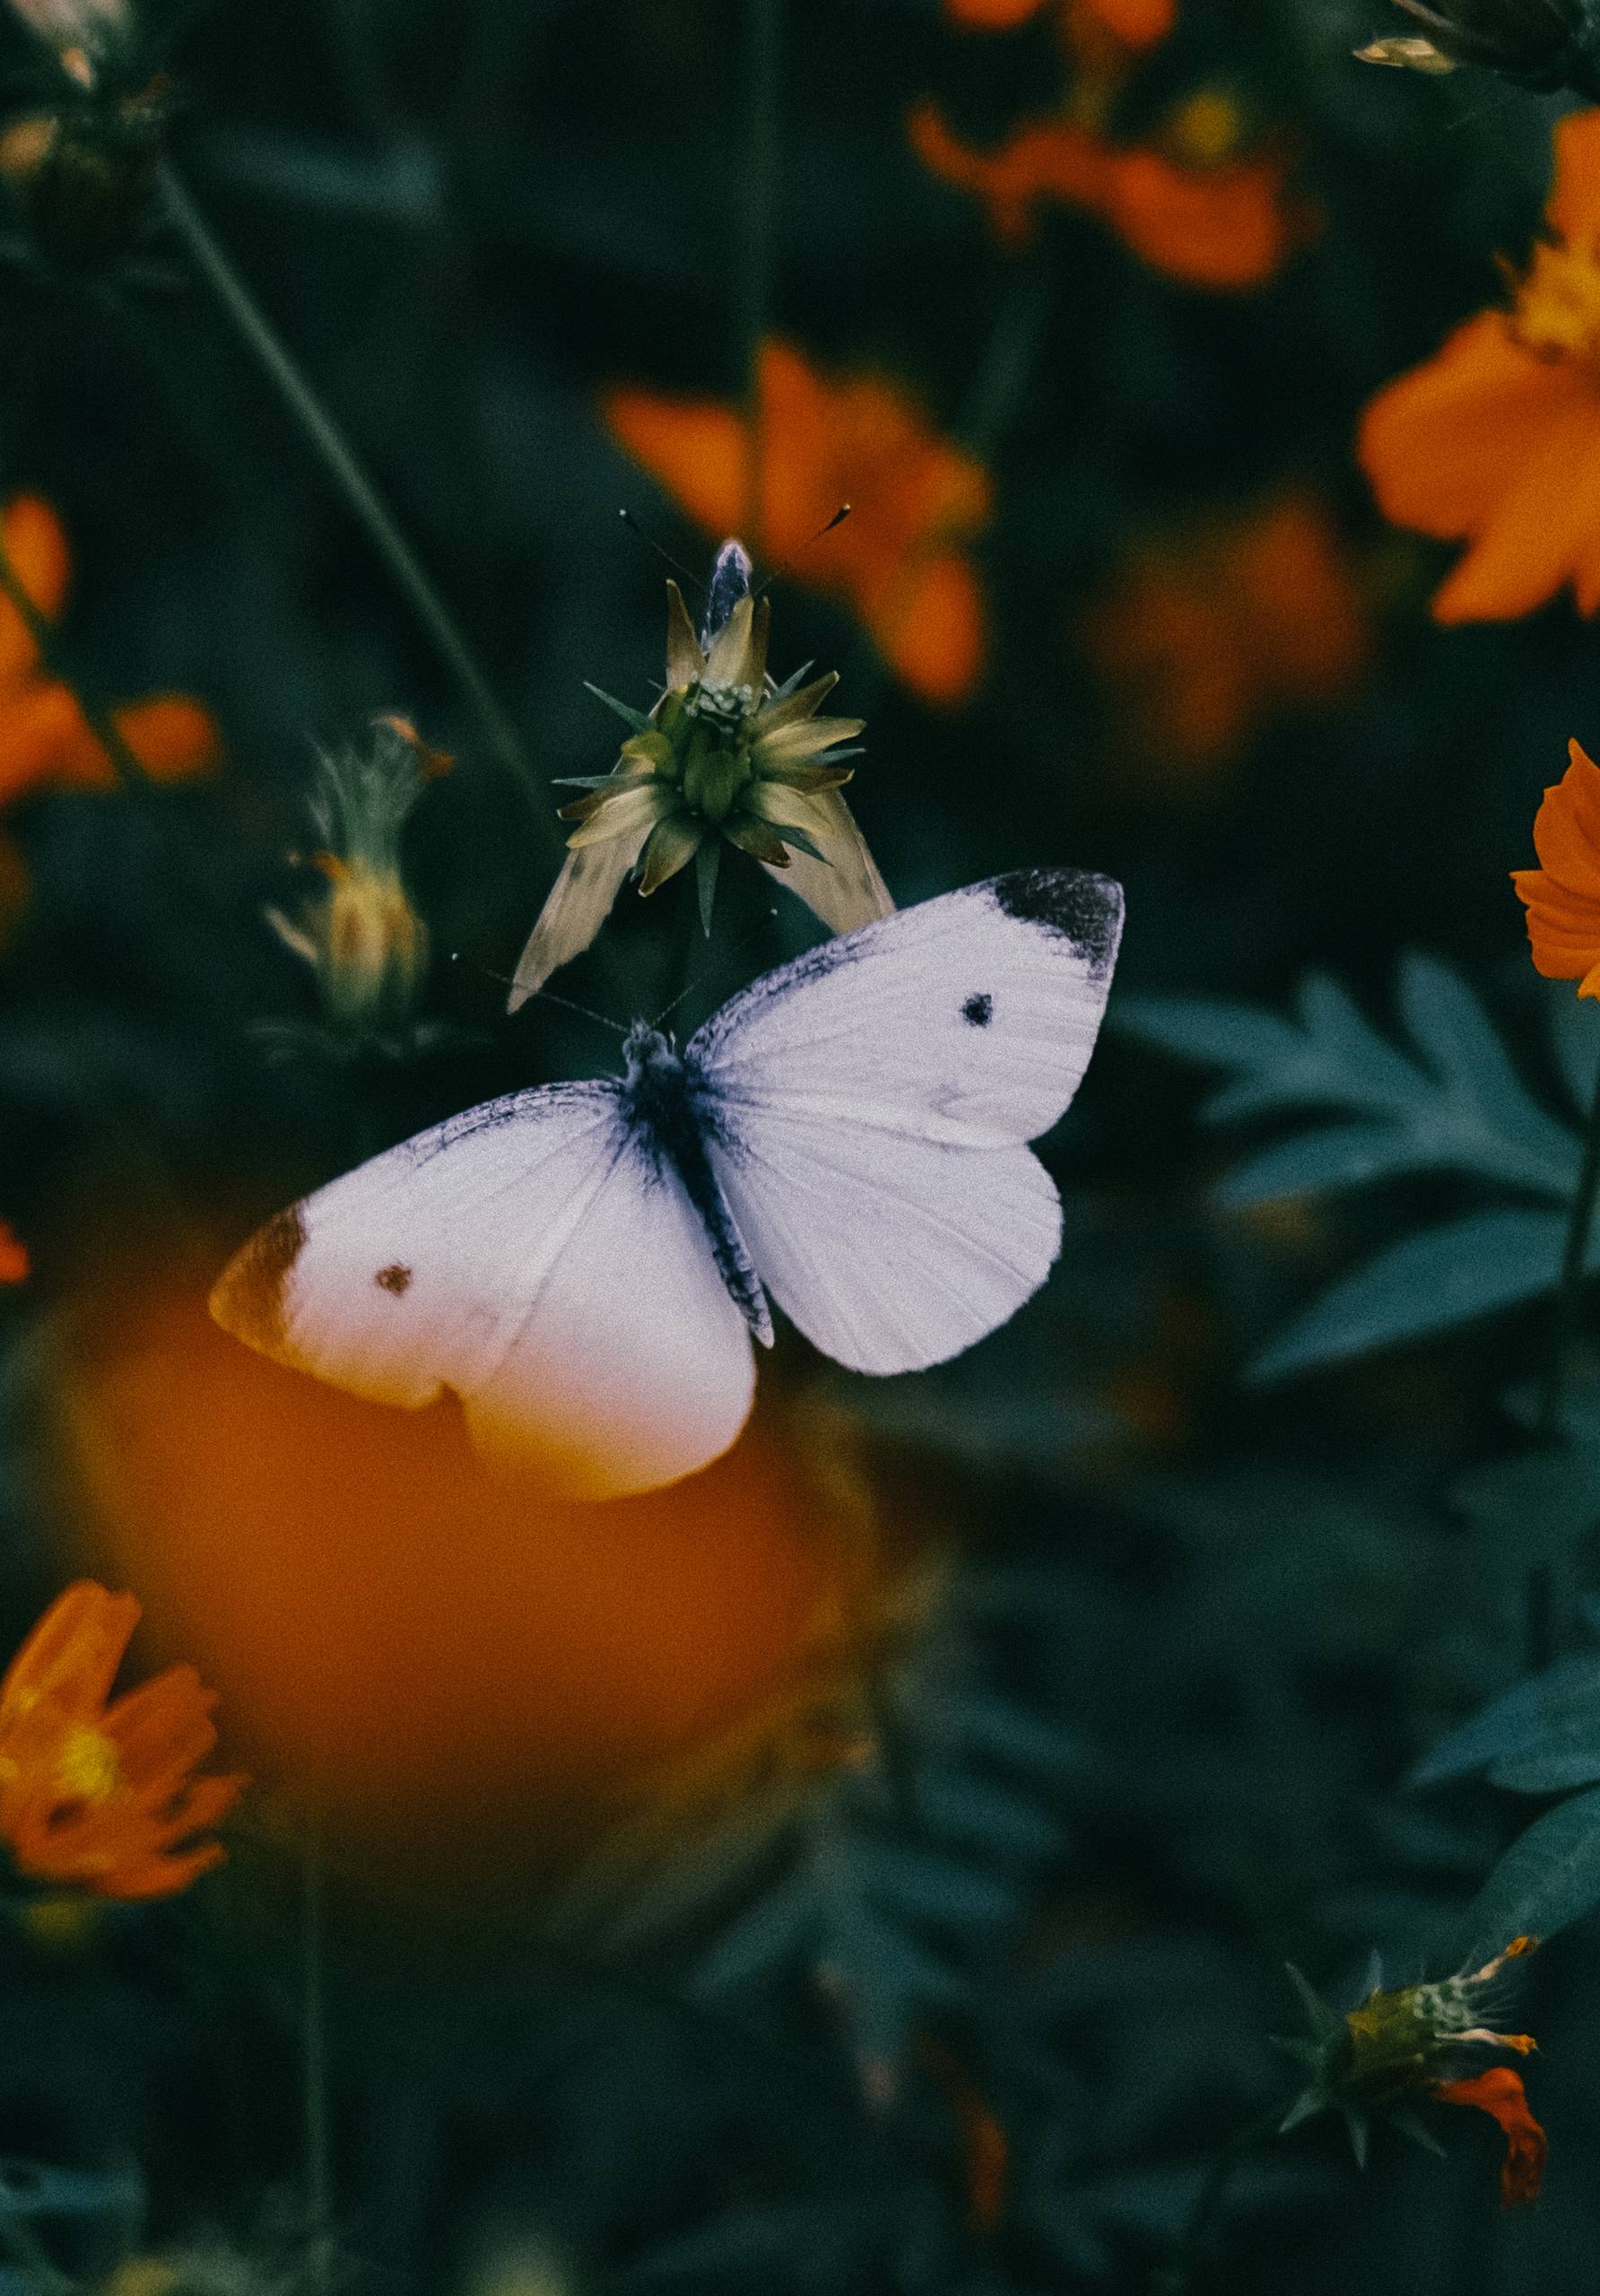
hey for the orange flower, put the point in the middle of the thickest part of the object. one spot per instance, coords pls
(1137, 24)
(45, 740)
(13, 1255)
(1496, 440)
(102, 1795)
(900, 561)
(1562, 895)
(1229, 223)
(1499, 2092)
(1210, 632)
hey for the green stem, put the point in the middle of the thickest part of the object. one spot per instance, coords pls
(319, 2161)
(101, 724)
(318, 427)
(1208, 2201)
(763, 37)
(1544, 1606)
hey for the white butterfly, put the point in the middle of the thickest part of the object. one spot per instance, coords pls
(585, 1263)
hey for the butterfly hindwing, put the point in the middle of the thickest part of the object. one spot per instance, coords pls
(528, 1256)
(873, 1099)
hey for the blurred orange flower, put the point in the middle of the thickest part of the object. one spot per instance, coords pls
(1501, 2094)
(903, 560)
(1228, 222)
(102, 1795)
(1495, 440)
(13, 1255)
(1137, 24)
(45, 740)
(1208, 633)
(1562, 895)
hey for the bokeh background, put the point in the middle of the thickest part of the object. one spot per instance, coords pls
(871, 1865)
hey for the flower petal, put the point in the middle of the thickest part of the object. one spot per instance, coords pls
(575, 908)
(845, 889)
(1500, 2093)
(1574, 205)
(684, 661)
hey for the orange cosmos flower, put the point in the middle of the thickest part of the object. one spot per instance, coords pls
(900, 561)
(1209, 633)
(1501, 2094)
(1227, 223)
(1496, 440)
(45, 740)
(13, 1255)
(1562, 895)
(97, 1795)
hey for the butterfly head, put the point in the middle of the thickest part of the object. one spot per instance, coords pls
(647, 1052)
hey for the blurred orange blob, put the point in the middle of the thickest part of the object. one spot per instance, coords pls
(1228, 224)
(900, 561)
(46, 742)
(1495, 440)
(1209, 633)
(14, 1264)
(460, 1671)
(1137, 24)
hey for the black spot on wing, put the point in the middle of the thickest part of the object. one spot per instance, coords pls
(978, 1010)
(396, 1279)
(1083, 909)
(247, 1299)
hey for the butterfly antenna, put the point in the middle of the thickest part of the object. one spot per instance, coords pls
(650, 543)
(549, 995)
(690, 987)
(783, 566)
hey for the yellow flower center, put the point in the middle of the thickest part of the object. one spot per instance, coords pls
(1557, 313)
(88, 1769)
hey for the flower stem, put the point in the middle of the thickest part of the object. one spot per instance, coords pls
(763, 39)
(100, 723)
(319, 2163)
(318, 427)
(1178, 2272)
(1545, 1624)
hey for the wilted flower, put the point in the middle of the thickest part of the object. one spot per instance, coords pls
(724, 755)
(362, 938)
(65, 25)
(1536, 43)
(902, 562)
(1496, 440)
(13, 1255)
(102, 1795)
(1403, 2044)
(1562, 895)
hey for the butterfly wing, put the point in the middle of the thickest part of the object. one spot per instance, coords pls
(527, 1255)
(873, 1100)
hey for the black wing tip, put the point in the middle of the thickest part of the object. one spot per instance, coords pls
(1084, 908)
(248, 1297)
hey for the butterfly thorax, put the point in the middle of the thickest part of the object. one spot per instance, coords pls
(671, 1115)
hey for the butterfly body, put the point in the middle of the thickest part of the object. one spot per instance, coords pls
(585, 1265)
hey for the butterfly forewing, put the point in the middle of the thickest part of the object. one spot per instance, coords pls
(873, 1100)
(970, 1018)
(528, 1256)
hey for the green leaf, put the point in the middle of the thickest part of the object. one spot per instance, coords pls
(1551, 1707)
(1428, 1282)
(637, 718)
(1547, 1879)
(1346, 1155)
(708, 856)
(1325, 2022)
